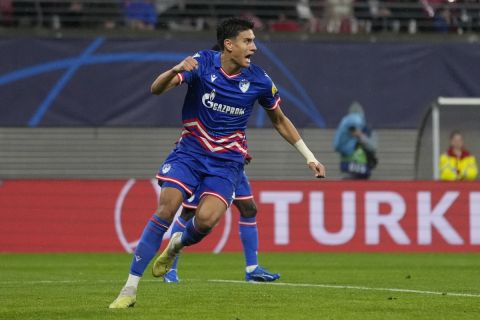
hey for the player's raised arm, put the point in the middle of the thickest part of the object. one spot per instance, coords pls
(288, 131)
(171, 78)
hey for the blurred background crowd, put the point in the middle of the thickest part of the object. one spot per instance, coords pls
(314, 16)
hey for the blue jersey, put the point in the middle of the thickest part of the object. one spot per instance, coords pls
(217, 106)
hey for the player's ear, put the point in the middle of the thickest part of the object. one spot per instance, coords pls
(228, 45)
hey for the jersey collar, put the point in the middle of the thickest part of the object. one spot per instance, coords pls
(218, 64)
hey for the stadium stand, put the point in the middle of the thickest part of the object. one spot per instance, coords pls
(333, 16)
(91, 153)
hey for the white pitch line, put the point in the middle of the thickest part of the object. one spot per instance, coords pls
(28, 282)
(287, 284)
(331, 286)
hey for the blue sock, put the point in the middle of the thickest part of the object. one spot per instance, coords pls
(148, 245)
(247, 228)
(178, 226)
(192, 235)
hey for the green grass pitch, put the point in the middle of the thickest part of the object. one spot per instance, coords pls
(316, 286)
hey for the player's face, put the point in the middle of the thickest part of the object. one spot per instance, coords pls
(243, 48)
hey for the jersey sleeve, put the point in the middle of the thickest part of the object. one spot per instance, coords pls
(190, 76)
(270, 98)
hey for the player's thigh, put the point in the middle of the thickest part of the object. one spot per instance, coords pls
(168, 203)
(209, 212)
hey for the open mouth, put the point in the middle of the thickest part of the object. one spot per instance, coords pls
(247, 57)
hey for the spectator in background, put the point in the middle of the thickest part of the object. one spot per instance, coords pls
(457, 164)
(283, 24)
(141, 14)
(444, 21)
(339, 16)
(163, 5)
(73, 16)
(306, 16)
(258, 24)
(356, 144)
(106, 14)
(186, 22)
(6, 13)
(373, 15)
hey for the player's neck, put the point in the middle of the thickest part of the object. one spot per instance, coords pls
(229, 65)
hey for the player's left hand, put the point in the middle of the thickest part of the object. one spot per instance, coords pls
(318, 169)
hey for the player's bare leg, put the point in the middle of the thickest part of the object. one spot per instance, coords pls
(169, 202)
(208, 214)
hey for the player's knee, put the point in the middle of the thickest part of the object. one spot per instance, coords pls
(166, 211)
(248, 210)
(205, 222)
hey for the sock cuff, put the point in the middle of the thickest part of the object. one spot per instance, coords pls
(248, 221)
(181, 222)
(159, 222)
(196, 228)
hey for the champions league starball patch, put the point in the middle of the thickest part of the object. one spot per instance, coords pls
(244, 85)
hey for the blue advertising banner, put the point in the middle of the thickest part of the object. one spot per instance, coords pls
(105, 82)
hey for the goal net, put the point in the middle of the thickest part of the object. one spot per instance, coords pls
(444, 116)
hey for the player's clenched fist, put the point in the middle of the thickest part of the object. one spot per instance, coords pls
(188, 64)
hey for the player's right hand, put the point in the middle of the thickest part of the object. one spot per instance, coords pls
(188, 64)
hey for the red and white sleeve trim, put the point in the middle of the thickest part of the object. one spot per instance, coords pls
(276, 104)
(180, 77)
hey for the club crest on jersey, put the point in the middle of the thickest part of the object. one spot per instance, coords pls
(244, 85)
(213, 77)
(166, 167)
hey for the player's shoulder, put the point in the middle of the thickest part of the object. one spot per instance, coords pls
(259, 74)
(206, 56)
(208, 60)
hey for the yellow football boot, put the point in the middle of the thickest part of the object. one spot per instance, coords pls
(126, 299)
(165, 260)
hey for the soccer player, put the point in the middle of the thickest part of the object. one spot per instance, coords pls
(209, 158)
(247, 227)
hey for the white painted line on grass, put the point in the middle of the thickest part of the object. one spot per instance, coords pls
(331, 286)
(286, 284)
(29, 282)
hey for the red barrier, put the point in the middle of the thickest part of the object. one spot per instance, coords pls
(103, 216)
